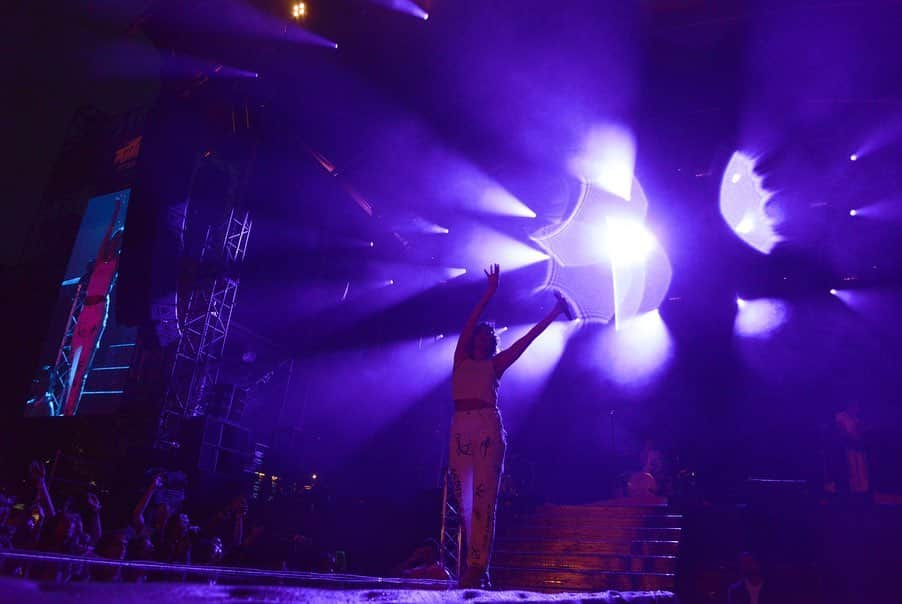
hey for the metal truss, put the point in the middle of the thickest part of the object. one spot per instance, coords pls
(58, 384)
(205, 326)
(451, 537)
(238, 231)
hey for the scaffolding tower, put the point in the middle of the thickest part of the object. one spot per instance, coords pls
(58, 376)
(451, 537)
(204, 326)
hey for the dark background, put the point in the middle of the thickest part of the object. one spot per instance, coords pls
(412, 113)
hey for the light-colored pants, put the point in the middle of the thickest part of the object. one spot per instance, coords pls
(476, 462)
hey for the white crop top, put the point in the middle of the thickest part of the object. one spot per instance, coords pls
(473, 379)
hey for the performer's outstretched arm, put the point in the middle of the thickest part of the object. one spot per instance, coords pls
(466, 335)
(508, 356)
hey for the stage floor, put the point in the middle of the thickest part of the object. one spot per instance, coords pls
(201, 583)
(28, 592)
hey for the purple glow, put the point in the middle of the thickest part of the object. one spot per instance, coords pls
(580, 239)
(542, 356)
(853, 157)
(742, 204)
(627, 242)
(129, 59)
(887, 209)
(526, 378)
(241, 16)
(408, 7)
(607, 159)
(759, 318)
(390, 283)
(886, 132)
(851, 299)
(418, 224)
(401, 372)
(488, 246)
(878, 306)
(495, 199)
(605, 261)
(636, 352)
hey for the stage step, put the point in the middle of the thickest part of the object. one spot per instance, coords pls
(648, 516)
(504, 577)
(609, 545)
(591, 531)
(588, 546)
(605, 562)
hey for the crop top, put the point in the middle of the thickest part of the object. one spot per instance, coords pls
(472, 379)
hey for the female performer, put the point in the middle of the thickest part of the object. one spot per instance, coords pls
(91, 321)
(477, 437)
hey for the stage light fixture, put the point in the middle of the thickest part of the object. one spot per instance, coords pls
(833, 292)
(853, 212)
(299, 10)
(628, 241)
(743, 200)
(853, 157)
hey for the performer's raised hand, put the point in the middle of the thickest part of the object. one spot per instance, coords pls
(493, 273)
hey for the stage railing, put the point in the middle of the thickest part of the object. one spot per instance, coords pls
(33, 565)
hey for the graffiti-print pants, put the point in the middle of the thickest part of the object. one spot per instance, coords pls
(476, 461)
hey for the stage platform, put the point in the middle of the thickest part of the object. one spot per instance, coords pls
(170, 583)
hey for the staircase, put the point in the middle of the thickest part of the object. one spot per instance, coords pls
(615, 545)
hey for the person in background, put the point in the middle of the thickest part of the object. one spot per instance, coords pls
(158, 516)
(750, 588)
(851, 429)
(229, 524)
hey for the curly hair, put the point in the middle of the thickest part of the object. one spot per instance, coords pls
(490, 329)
